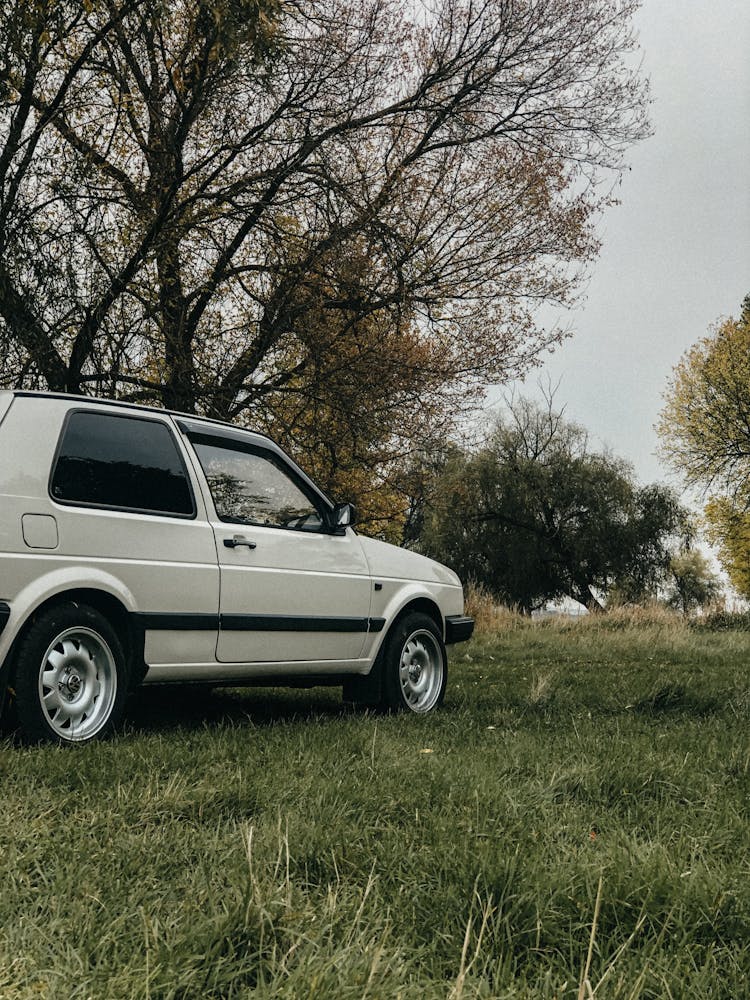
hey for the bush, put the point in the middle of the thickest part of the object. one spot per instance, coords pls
(723, 621)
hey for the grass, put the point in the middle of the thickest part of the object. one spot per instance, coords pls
(574, 822)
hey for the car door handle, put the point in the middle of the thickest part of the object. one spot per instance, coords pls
(235, 540)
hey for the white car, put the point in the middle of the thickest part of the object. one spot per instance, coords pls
(140, 545)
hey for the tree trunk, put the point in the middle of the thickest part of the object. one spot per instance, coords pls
(178, 392)
(582, 594)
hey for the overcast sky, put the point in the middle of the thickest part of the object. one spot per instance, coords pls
(676, 251)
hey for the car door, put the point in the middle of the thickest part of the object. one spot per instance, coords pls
(291, 590)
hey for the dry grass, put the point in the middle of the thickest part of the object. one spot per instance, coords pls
(542, 686)
(492, 618)
(650, 619)
(488, 615)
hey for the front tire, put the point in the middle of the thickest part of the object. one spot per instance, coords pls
(71, 676)
(415, 665)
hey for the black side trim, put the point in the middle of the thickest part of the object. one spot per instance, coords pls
(458, 628)
(4, 614)
(292, 623)
(161, 621)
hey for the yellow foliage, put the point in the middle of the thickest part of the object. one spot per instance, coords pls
(705, 432)
(728, 528)
(705, 423)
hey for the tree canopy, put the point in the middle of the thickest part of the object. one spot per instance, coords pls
(535, 515)
(705, 423)
(705, 433)
(728, 528)
(691, 583)
(247, 208)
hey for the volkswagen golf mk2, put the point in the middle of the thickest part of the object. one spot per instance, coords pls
(144, 546)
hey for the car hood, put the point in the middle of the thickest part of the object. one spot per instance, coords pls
(392, 561)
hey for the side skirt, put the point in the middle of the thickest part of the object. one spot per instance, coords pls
(238, 673)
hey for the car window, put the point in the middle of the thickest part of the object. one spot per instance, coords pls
(252, 487)
(127, 463)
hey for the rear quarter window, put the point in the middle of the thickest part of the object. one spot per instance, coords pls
(121, 463)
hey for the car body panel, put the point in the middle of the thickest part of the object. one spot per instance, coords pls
(315, 603)
(288, 579)
(164, 563)
(296, 574)
(394, 563)
(220, 673)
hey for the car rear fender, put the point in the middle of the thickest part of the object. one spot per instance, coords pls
(57, 583)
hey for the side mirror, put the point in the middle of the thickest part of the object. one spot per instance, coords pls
(344, 515)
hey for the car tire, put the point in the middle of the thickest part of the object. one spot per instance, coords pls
(71, 676)
(415, 665)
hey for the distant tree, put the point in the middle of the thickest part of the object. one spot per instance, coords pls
(705, 433)
(421, 481)
(534, 515)
(691, 583)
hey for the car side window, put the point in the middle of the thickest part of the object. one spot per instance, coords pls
(120, 462)
(251, 486)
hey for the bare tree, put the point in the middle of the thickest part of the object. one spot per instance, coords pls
(202, 202)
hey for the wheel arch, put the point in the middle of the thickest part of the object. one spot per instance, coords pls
(421, 602)
(427, 606)
(110, 605)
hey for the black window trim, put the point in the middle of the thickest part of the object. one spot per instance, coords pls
(98, 412)
(277, 458)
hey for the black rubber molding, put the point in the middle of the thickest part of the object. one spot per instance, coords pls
(4, 614)
(458, 628)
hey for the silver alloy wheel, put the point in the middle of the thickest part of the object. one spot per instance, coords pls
(421, 670)
(77, 684)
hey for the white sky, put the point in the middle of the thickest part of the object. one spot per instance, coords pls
(676, 251)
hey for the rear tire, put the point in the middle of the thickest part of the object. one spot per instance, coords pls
(415, 665)
(70, 676)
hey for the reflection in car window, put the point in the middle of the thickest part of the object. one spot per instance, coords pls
(250, 488)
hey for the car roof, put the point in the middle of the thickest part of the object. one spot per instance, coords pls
(138, 407)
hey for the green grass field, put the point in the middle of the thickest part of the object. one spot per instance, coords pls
(274, 844)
